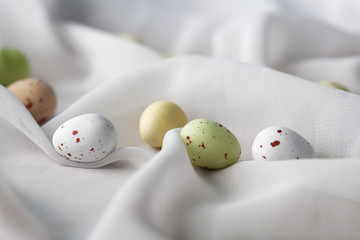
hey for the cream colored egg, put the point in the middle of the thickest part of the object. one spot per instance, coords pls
(158, 118)
(37, 96)
(130, 37)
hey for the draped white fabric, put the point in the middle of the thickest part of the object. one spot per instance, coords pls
(246, 64)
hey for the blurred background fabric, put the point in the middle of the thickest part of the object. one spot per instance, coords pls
(248, 64)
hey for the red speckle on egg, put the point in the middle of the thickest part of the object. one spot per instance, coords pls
(99, 140)
(203, 145)
(279, 131)
(275, 143)
(62, 144)
(264, 157)
(261, 146)
(69, 154)
(75, 132)
(92, 149)
(225, 156)
(29, 103)
(194, 160)
(220, 125)
(77, 140)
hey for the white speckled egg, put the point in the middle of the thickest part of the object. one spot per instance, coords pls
(86, 138)
(279, 143)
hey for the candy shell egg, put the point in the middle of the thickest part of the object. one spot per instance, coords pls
(37, 96)
(210, 144)
(130, 37)
(279, 143)
(158, 118)
(334, 85)
(86, 138)
(13, 66)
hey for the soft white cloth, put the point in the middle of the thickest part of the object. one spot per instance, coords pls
(240, 83)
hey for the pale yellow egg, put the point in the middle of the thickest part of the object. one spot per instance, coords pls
(158, 118)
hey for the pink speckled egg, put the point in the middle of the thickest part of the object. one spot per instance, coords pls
(86, 138)
(279, 143)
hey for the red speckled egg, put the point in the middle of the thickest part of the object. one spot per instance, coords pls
(279, 143)
(86, 138)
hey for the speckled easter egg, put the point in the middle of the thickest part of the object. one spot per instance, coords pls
(158, 118)
(210, 144)
(86, 138)
(37, 96)
(334, 85)
(279, 143)
(13, 66)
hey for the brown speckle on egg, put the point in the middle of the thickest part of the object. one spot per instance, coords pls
(37, 96)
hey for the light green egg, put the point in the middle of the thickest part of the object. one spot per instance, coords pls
(210, 144)
(334, 85)
(13, 66)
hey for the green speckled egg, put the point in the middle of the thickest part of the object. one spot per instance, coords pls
(13, 66)
(334, 85)
(210, 144)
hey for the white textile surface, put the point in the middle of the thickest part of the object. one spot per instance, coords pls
(246, 64)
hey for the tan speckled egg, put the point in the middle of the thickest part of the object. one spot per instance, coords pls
(37, 96)
(158, 118)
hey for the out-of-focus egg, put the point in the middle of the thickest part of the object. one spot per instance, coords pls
(158, 118)
(169, 55)
(210, 144)
(13, 66)
(86, 138)
(279, 143)
(334, 85)
(37, 96)
(130, 37)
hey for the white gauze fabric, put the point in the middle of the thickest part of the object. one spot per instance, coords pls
(258, 66)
